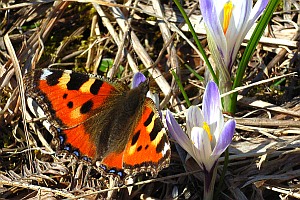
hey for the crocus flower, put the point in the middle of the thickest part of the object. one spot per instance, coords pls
(139, 78)
(207, 135)
(227, 23)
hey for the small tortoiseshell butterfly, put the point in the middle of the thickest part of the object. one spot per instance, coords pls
(118, 128)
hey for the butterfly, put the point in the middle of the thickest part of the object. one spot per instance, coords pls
(117, 128)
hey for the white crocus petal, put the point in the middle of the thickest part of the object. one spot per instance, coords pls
(220, 125)
(219, 6)
(216, 127)
(202, 143)
(236, 30)
(228, 19)
(154, 97)
(197, 149)
(239, 18)
(194, 118)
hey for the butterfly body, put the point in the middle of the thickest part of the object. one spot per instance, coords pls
(117, 127)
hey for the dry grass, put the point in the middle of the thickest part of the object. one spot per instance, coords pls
(264, 156)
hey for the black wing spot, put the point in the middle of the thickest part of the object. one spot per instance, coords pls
(86, 107)
(160, 146)
(146, 147)
(77, 80)
(70, 104)
(139, 148)
(65, 95)
(149, 119)
(156, 129)
(135, 138)
(96, 86)
(53, 79)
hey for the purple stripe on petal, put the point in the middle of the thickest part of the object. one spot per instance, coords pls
(259, 8)
(208, 176)
(173, 126)
(209, 13)
(225, 138)
(206, 6)
(177, 133)
(138, 78)
(213, 24)
(211, 102)
(256, 12)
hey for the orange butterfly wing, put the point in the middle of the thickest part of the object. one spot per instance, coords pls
(83, 108)
(69, 99)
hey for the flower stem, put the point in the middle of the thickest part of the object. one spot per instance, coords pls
(222, 176)
(209, 182)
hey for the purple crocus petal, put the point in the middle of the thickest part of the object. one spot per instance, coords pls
(194, 118)
(225, 138)
(138, 78)
(211, 102)
(177, 133)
